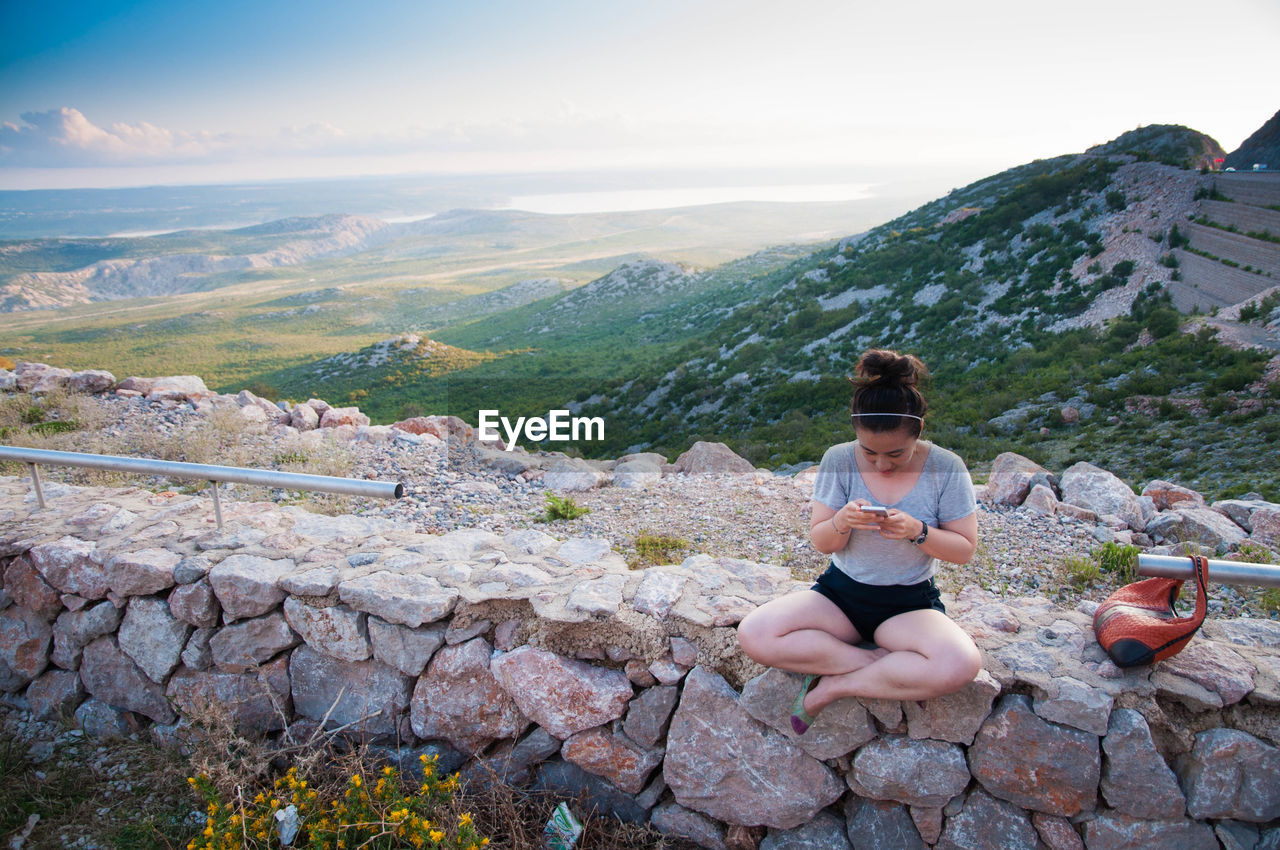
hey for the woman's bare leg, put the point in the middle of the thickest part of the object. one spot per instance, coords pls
(804, 632)
(928, 656)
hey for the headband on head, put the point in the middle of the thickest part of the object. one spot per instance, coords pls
(907, 415)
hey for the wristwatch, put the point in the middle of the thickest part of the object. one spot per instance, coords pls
(924, 532)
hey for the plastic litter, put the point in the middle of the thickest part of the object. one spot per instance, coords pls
(287, 824)
(562, 830)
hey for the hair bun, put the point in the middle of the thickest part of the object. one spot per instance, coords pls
(884, 368)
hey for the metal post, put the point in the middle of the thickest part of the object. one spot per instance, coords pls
(35, 481)
(1223, 572)
(217, 504)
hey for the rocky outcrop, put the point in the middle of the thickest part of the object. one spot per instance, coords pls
(1166, 515)
(553, 663)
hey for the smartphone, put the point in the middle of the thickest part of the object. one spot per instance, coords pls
(874, 509)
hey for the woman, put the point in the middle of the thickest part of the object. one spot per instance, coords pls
(879, 586)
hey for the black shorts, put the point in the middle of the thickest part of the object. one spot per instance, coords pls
(869, 605)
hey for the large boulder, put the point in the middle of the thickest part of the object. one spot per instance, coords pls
(178, 388)
(1193, 524)
(152, 637)
(91, 381)
(337, 416)
(256, 701)
(1010, 480)
(248, 585)
(1085, 485)
(705, 458)
(1166, 495)
(726, 764)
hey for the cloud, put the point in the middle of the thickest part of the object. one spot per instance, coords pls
(65, 137)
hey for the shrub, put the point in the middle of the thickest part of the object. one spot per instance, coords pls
(656, 549)
(1116, 200)
(1081, 570)
(562, 507)
(388, 815)
(1120, 560)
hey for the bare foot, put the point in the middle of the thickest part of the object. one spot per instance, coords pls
(824, 693)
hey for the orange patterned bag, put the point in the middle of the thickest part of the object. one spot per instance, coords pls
(1138, 625)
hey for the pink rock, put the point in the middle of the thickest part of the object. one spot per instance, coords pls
(25, 638)
(460, 700)
(612, 757)
(336, 416)
(246, 644)
(91, 381)
(1266, 527)
(560, 694)
(112, 677)
(735, 768)
(304, 417)
(704, 458)
(917, 773)
(1010, 479)
(1231, 774)
(1034, 764)
(335, 630)
(248, 585)
(370, 696)
(141, 573)
(55, 694)
(195, 604)
(1214, 666)
(1166, 495)
(135, 385)
(72, 566)
(257, 701)
(179, 388)
(1041, 500)
(955, 717)
(29, 590)
(1089, 487)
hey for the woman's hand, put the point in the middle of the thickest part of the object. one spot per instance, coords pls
(851, 518)
(900, 525)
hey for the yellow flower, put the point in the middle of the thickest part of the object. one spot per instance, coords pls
(464, 819)
(356, 780)
(436, 835)
(387, 771)
(208, 832)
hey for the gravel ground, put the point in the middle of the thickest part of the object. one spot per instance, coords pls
(762, 517)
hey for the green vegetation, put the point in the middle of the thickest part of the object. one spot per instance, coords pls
(562, 507)
(652, 549)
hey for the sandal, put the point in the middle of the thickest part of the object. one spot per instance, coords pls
(800, 719)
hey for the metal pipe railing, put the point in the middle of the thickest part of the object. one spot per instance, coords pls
(1224, 572)
(201, 471)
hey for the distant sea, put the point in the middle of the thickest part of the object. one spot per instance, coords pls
(659, 199)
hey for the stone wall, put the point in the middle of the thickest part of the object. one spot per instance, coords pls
(554, 664)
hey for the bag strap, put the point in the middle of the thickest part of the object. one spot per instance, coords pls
(1201, 564)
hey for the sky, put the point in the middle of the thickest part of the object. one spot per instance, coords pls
(96, 93)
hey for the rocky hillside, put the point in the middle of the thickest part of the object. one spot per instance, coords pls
(288, 242)
(1262, 147)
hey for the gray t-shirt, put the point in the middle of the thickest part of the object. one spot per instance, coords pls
(943, 493)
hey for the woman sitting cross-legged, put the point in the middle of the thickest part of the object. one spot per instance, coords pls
(879, 586)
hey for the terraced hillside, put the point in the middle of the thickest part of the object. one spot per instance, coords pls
(1233, 252)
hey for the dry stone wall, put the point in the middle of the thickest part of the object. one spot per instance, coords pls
(553, 664)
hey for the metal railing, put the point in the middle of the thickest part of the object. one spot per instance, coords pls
(200, 471)
(1224, 572)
